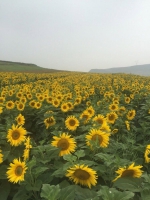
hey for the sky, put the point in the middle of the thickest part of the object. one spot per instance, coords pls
(75, 35)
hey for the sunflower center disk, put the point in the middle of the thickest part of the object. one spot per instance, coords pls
(18, 171)
(50, 120)
(15, 135)
(63, 144)
(128, 173)
(111, 117)
(97, 137)
(81, 174)
(72, 122)
(100, 121)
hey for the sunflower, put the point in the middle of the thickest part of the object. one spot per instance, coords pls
(127, 99)
(49, 122)
(113, 107)
(29, 96)
(70, 105)
(111, 117)
(71, 123)
(41, 98)
(147, 154)
(100, 119)
(131, 114)
(1, 110)
(127, 125)
(20, 119)
(49, 99)
(55, 103)
(64, 107)
(28, 146)
(105, 128)
(20, 106)
(91, 111)
(16, 135)
(23, 99)
(77, 101)
(131, 171)
(19, 94)
(2, 100)
(97, 135)
(32, 103)
(114, 131)
(10, 105)
(28, 143)
(65, 143)
(16, 171)
(1, 156)
(85, 116)
(38, 105)
(81, 174)
(121, 110)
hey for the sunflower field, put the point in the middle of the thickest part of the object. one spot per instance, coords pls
(74, 136)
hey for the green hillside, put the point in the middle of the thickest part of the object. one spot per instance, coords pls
(8, 66)
(143, 70)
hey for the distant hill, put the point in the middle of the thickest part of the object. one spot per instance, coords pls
(8, 66)
(143, 70)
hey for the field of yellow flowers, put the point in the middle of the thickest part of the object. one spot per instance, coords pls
(74, 136)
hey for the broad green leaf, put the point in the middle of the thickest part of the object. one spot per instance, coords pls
(145, 194)
(70, 158)
(21, 195)
(50, 192)
(113, 194)
(80, 153)
(67, 193)
(39, 170)
(83, 193)
(3, 169)
(4, 190)
(131, 184)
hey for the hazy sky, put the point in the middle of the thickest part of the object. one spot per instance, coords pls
(76, 35)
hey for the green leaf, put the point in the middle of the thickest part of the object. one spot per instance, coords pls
(50, 192)
(39, 170)
(145, 194)
(126, 195)
(21, 194)
(83, 193)
(131, 184)
(3, 169)
(70, 158)
(80, 153)
(67, 193)
(4, 190)
(112, 194)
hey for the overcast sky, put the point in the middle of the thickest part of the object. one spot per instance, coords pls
(76, 35)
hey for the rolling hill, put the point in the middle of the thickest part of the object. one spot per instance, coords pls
(142, 70)
(8, 66)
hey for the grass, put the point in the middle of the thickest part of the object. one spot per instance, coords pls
(8, 66)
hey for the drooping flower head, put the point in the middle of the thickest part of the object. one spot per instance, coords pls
(96, 135)
(131, 114)
(81, 174)
(1, 156)
(147, 154)
(100, 119)
(49, 122)
(20, 119)
(131, 171)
